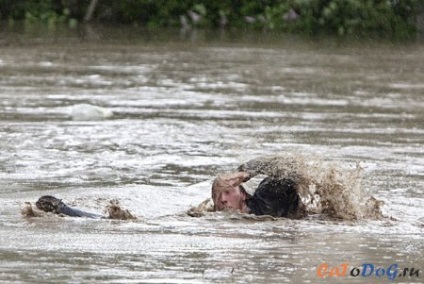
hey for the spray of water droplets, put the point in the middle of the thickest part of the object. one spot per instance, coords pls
(325, 188)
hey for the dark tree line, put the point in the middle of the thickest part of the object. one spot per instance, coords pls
(358, 17)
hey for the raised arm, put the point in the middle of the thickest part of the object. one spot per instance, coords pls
(226, 181)
(272, 166)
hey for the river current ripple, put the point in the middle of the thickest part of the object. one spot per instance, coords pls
(150, 123)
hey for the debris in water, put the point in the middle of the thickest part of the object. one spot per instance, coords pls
(116, 212)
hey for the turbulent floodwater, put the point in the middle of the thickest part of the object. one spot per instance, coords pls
(151, 119)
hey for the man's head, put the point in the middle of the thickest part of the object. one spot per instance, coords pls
(227, 192)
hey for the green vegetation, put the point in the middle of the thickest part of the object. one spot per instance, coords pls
(341, 17)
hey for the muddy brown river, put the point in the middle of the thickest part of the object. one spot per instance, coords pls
(150, 118)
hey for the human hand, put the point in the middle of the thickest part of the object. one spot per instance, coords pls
(231, 180)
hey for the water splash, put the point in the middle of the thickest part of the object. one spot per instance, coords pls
(325, 188)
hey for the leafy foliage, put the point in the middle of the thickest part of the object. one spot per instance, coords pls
(342, 17)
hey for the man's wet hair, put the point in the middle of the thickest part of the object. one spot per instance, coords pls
(222, 182)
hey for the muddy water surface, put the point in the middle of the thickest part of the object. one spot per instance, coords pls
(150, 120)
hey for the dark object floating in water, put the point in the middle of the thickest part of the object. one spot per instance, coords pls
(51, 204)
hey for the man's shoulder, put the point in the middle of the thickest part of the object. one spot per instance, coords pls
(275, 187)
(275, 197)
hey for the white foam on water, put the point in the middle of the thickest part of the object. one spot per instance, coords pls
(84, 112)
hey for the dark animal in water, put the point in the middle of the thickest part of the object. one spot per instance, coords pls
(48, 203)
(52, 204)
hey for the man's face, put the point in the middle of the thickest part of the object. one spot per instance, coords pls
(227, 193)
(229, 198)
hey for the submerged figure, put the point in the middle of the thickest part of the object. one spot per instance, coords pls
(277, 195)
(274, 197)
(51, 204)
(48, 203)
(294, 187)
